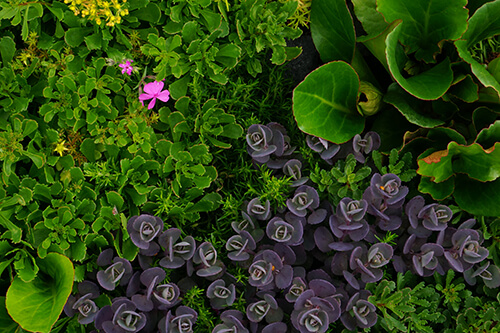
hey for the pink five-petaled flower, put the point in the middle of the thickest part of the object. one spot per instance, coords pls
(127, 67)
(153, 90)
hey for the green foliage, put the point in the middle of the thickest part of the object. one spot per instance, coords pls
(472, 169)
(453, 292)
(345, 179)
(477, 316)
(52, 287)
(405, 309)
(275, 189)
(196, 299)
(398, 166)
(320, 101)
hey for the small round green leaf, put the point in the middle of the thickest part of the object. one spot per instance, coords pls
(36, 305)
(324, 104)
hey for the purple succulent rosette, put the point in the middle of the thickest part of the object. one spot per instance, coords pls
(435, 217)
(426, 262)
(349, 220)
(305, 199)
(240, 246)
(292, 169)
(259, 210)
(490, 274)
(206, 257)
(296, 289)
(368, 263)
(326, 149)
(182, 322)
(176, 252)
(259, 310)
(249, 224)
(277, 327)
(221, 296)
(259, 139)
(385, 197)
(83, 303)
(286, 232)
(316, 308)
(363, 146)
(388, 187)
(142, 230)
(466, 250)
(269, 270)
(118, 272)
(120, 317)
(232, 321)
(359, 312)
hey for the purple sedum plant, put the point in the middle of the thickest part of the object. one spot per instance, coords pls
(143, 229)
(182, 322)
(240, 246)
(305, 199)
(359, 312)
(176, 252)
(286, 232)
(206, 257)
(120, 317)
(221, 296)
(118, 271)
(362, 146)
(83, 304)
(232, 322)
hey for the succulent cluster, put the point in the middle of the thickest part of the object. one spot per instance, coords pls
(150, 302)
(308, 259)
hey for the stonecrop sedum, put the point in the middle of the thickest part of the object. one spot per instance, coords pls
(99, 11)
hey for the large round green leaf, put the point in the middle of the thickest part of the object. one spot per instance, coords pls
(332, 30)
(473, 160)
(427, 85)
(36, 305)
(426, 23)
(324, 104)
(477, 198)
(438, 191)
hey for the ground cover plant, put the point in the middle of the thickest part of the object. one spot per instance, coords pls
(162, 171)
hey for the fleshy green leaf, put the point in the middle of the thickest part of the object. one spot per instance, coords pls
(473, 160)
(332, 30)
(366, 12)
(324, 104)
(438, 191)
(427, 85)
(477, 198)
(483, 24)
(479, 70)
(36, 305)
(426, 23)
(7, 49)
(410, 107)
(7, 325)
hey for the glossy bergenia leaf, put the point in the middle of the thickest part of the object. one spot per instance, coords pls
(332, 30)
(426, 23)
(478, 163)
(36, 305)
(428, 85)
(324, 104)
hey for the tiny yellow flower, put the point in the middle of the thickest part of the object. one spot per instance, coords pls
(60, 147)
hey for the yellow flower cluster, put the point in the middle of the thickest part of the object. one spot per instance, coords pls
(99, 11)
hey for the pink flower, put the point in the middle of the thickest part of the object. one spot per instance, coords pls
(127, 67)
(153, 90)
